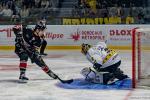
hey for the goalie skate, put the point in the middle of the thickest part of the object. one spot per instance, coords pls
(112, 81)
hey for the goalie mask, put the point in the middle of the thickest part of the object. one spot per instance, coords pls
(102, 45)
(85, 48)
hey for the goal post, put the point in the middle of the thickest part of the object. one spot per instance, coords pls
(140, 57)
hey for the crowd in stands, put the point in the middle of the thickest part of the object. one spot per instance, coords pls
(113, 8)
(21, 9)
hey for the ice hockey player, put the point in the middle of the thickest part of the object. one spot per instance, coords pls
(27, 43)
(105, 63)
(42, 21)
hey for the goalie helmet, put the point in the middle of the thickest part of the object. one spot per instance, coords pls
(101, 45)
(85, 48)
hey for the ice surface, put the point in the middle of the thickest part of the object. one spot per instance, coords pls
(67, 64)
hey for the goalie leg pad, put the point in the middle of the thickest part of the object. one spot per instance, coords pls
(85, 71)
(96, 77)
(89, 74)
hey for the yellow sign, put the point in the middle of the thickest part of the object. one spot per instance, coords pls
(92, 21)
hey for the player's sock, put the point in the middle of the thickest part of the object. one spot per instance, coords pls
(49, 72)
(22, 66)
(22, 77)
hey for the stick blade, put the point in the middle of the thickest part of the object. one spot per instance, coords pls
(67, 81)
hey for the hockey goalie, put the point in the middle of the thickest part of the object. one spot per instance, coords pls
(106, 62)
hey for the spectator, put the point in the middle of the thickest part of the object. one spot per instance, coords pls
(6, 12)
(140, 19)
(24, 12)
(18, 3)
(147, 16)
(28, 3)
(45, 4)
(120, 11)
(15, 10)
(42, 22)
(1, 7)
(84, 8)
(113, 11)
(52, 3)
(37, 3)
(76, 11)
(92, 4)
(134, 11)
(15, 15)
(98, 5)
(104, 12)
(129, 19)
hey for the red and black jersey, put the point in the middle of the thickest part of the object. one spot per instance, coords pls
(30, 38)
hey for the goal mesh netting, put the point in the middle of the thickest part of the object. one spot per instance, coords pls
(141, 57)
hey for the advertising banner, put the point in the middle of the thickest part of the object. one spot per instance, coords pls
(75, 35)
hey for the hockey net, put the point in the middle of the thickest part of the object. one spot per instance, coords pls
(141, 58)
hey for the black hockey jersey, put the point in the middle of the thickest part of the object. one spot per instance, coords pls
(30, 38)
(26, 39)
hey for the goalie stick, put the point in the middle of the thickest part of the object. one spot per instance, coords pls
(106, 38)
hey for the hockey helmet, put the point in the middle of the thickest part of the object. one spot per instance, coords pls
(43, 20)
(40, 26)
(85, 48)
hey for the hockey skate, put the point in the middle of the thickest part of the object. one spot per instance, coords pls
(23, 79)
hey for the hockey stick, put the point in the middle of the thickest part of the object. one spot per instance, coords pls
(65, 81)
(106, 38)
